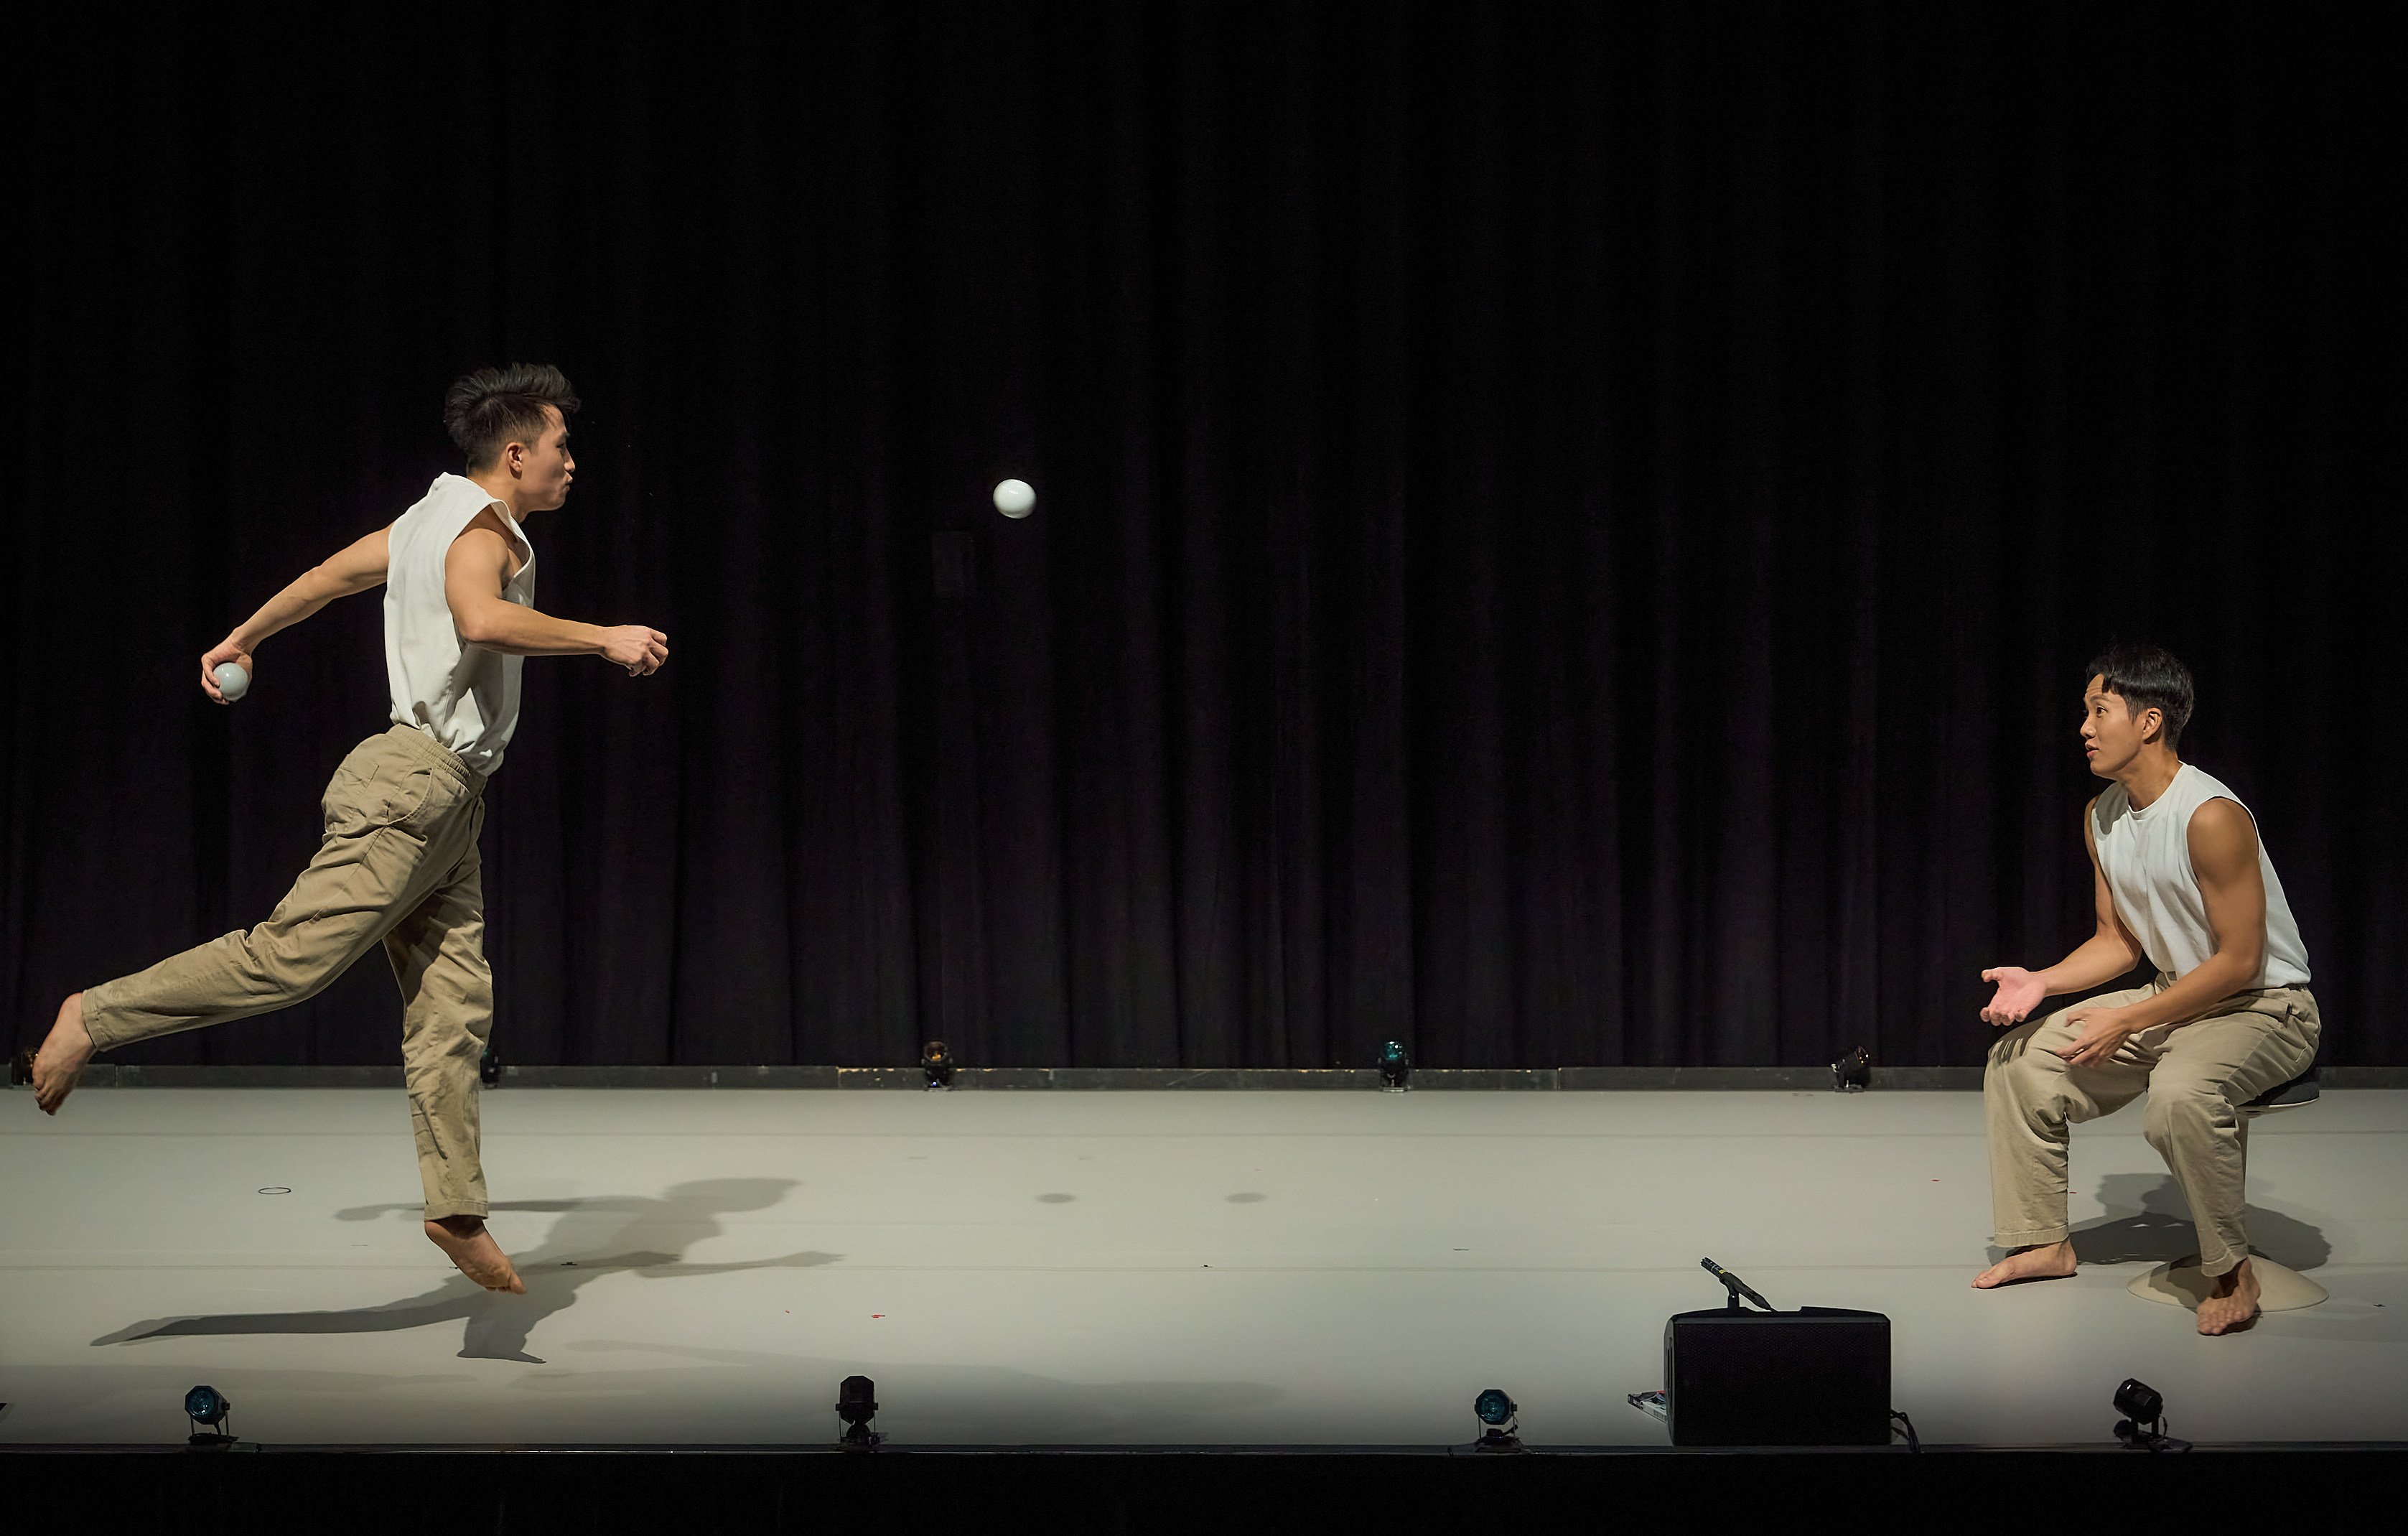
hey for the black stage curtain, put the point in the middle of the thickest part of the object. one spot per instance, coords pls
(1568, 534)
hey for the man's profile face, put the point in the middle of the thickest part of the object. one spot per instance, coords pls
(545, 468)
(2110, 738)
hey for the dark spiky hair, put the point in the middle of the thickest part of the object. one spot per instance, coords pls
(2145, 676)
(487, 411)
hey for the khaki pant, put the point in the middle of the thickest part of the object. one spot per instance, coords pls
(398, 863)
(2197, 1076)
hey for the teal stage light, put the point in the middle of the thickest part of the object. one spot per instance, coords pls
(206, 1405)
(1497, 1430)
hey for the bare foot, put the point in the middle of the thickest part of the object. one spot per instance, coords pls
(61, 1060)
(2231, 1301)
(2043, 1261)
(464, 1241)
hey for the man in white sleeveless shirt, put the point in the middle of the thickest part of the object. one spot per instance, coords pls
(398, 863)
(2181, 881)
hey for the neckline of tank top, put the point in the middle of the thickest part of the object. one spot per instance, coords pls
(2141, 813)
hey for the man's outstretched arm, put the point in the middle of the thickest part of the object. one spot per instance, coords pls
(356, 568)
(474, 570)
(2109, 951)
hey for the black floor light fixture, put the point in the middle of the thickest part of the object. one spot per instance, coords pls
(2143, 1428)
(1396, 1066)
(1853, 1073)
(856, 1404)
(936, 1064)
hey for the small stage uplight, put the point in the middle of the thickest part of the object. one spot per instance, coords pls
(936, 1064)
(1396, 1066)
(489, 1068)
(2143, 1428)
(1497, 1430)
(856, 1404)
(1853, 1073)
(208, 1406)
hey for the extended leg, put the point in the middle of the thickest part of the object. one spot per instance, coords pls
(369, 864)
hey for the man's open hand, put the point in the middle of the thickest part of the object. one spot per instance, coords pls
(2019, 992)
(2101, 1032)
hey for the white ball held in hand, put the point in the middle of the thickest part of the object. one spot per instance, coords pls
(1013, 498)
(232, 681)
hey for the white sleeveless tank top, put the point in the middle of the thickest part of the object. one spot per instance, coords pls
(465, 697)
(2145, 855)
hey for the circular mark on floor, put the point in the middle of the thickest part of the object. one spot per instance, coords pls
(1058, 1200)
(277, 1189)
(1248, 1198)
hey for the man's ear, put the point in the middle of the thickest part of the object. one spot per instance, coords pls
(2152, 724)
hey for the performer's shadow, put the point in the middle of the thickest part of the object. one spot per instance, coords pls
(2148, 1222)
(583, 1246)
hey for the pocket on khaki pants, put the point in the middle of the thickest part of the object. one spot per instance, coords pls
(364, 795)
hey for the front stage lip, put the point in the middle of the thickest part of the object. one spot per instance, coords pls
(103, 1074)
(2104, 1447)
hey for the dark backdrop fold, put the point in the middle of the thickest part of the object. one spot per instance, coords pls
(1567, 535)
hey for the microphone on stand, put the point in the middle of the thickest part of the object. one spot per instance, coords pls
(1734, 1285)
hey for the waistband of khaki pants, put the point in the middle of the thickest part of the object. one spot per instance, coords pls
(2247, 993)
(424, 748)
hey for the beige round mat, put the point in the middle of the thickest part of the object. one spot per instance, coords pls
(2181, 1285)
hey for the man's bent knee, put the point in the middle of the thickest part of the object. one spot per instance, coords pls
(2017, 1065)
(2184, 1110)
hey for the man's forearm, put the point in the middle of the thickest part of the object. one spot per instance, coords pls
(516, 631)
(2209, 983)
(312, 590)
(2099, 960)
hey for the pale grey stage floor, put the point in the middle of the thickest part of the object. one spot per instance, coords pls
(1136, 1267)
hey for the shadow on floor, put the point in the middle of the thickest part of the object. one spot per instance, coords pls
(2351, 1315)
(2148, 1222)
(593, 1238)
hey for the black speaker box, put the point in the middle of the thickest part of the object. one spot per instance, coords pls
(1816, 1376)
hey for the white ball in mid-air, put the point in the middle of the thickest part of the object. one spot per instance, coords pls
(1013, 498)
(232, 681)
